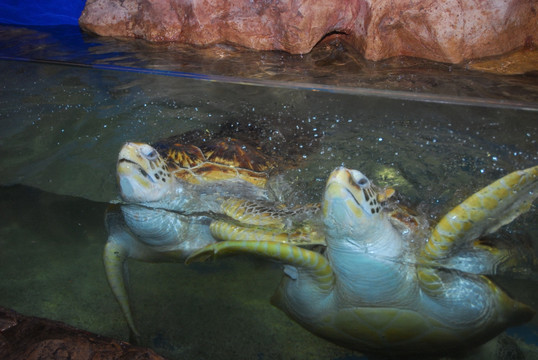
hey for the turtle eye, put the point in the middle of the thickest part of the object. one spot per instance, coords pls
(150, 154)
(358, 179)
(362, 182)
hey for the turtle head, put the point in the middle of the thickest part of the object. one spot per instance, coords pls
(350, 206)
(143, 175)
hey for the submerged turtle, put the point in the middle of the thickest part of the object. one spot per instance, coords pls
(172, 192)
(374, 291)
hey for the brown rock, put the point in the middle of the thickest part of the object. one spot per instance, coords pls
(448, 31)
(293, 26)
(29, 338)
(515, 63)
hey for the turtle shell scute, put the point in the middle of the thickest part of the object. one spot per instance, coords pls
(184, 156)
(216, 159)
(235, 153)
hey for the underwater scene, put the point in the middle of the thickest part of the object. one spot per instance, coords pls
(66, 115)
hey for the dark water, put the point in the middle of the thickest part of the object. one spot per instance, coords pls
(62, 125)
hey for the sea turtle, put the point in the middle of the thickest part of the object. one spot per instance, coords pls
(170, 194)
(380, 290)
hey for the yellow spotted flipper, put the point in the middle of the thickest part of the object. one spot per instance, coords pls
(307, 260)
(259, 221)
(483, 212)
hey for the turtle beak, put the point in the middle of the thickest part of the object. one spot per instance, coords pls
(342, 189)
(131, 162)
(130, 153)
(135, 173)
(353, 191)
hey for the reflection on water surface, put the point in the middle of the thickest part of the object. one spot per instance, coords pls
(332, 64)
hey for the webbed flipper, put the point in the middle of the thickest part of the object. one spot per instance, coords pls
(288, 254)
(483, 212)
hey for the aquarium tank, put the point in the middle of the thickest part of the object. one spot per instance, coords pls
(433, 132)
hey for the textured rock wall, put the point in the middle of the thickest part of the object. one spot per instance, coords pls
(32, 338)
(448, 30)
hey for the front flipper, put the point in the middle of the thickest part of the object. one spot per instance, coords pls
(483, 212)
(304, 259)
(264, 221)
(304, 235)
(115, 256)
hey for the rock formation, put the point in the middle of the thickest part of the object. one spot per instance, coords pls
(448, 31)
(32, 338)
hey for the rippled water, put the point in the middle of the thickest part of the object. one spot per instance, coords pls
(332, 65)
(62, 127)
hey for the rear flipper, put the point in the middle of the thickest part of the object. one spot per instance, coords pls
(495, 256)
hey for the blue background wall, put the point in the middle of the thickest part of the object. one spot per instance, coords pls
(41, 12)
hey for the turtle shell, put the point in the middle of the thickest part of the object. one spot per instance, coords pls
(215, 160)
